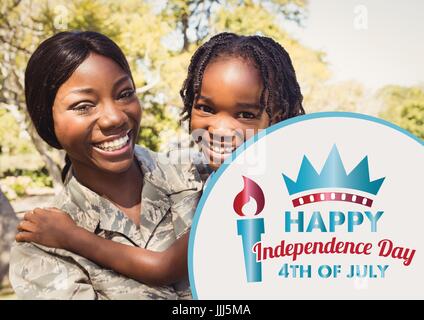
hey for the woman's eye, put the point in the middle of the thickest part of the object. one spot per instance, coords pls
(127, 94)
(204, 108)
(246, 115)
(82, 108)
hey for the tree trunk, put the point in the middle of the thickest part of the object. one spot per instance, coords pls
(184, 22)
(42, 148)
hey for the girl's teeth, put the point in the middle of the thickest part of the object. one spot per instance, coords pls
(222, 150)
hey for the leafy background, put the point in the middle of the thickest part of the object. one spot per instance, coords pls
(158, 38)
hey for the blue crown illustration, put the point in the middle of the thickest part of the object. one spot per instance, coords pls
(333, 175)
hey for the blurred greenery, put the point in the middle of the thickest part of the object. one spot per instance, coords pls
(404, 106)
(158, 38)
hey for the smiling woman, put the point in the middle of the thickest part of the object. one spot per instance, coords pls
(97, 123)
(81, 97)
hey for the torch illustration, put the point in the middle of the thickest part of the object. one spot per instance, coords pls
(250, 229)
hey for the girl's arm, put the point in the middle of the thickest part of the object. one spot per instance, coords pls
(54, 228)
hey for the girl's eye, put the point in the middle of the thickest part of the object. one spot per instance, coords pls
(126, 94)
(204, 108)
(246, 115)
(82, 108)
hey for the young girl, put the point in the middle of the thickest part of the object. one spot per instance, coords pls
(236, 85)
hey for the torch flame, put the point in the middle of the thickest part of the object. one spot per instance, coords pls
(251, 189)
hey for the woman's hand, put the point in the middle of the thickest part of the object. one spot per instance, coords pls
(49, 227)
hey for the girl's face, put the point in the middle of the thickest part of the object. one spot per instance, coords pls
(97, 115)
(227, 112)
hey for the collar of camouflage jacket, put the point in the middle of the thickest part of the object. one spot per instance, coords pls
(157, 195)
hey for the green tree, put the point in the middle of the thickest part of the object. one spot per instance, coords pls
(404, 106)
(412, 118)
(19, 31)
(158, 40)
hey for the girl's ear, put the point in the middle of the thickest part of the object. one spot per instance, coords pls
(277, 116)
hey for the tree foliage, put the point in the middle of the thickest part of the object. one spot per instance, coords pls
(158, 38)
(404, 106)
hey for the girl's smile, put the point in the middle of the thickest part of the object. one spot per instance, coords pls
(237, 84)
(227, 111)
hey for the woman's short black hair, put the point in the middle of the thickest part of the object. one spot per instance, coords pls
(281, 91)
(52, 63)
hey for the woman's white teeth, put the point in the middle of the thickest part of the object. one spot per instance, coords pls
(222, 150)
(114, 144)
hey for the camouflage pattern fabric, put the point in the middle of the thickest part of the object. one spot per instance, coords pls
(8, 223)
(169, 197)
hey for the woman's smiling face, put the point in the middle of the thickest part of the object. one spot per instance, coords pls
(96, 116)
(227, 111)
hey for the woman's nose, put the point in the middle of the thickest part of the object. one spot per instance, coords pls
(112, 117)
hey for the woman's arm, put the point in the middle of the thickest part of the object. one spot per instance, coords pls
(58, 278)
(54, 228)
